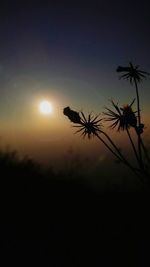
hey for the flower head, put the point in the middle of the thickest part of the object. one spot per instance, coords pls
(89, 126)
(122, 118)
(132, 73)
(72, 115)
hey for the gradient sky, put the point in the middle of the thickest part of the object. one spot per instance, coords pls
(66, 52)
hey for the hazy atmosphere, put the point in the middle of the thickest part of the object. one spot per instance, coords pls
(66, 53)
(75, 133)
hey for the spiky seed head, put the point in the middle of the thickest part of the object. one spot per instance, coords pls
(132, 73)
(129, 116)
(122, 118)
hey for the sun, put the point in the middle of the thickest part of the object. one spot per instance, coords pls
(45, 107)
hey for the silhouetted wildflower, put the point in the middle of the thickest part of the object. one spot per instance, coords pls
(123, 118)
(132, 73)
(89, 126)
(72, 115)
(129, 115)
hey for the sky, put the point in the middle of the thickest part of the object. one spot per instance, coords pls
(67, 53)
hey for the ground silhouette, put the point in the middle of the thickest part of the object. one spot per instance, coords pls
(47, 218)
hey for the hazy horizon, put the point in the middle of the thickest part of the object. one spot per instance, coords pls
(68, 55)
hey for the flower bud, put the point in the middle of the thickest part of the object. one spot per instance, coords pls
(72, 115)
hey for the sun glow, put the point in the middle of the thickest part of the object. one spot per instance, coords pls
(45, 107)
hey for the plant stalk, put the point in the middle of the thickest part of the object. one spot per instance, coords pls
(139, 123)
(133, 146)
(145, 152)
(123, 159)
(101, 139)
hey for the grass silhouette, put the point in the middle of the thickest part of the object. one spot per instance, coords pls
(49, 219)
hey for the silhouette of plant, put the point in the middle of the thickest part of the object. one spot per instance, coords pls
(88, 126)
(72, 115)
(122, 118)
(134, 75)
(91, 127)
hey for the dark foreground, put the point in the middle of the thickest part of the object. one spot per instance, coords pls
(55, 222)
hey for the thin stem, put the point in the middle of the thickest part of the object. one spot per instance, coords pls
(113, 144)
(133, 146)
(123, 159)
(145, 151)
(138, 102)
(139, 123)
(101, 139)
